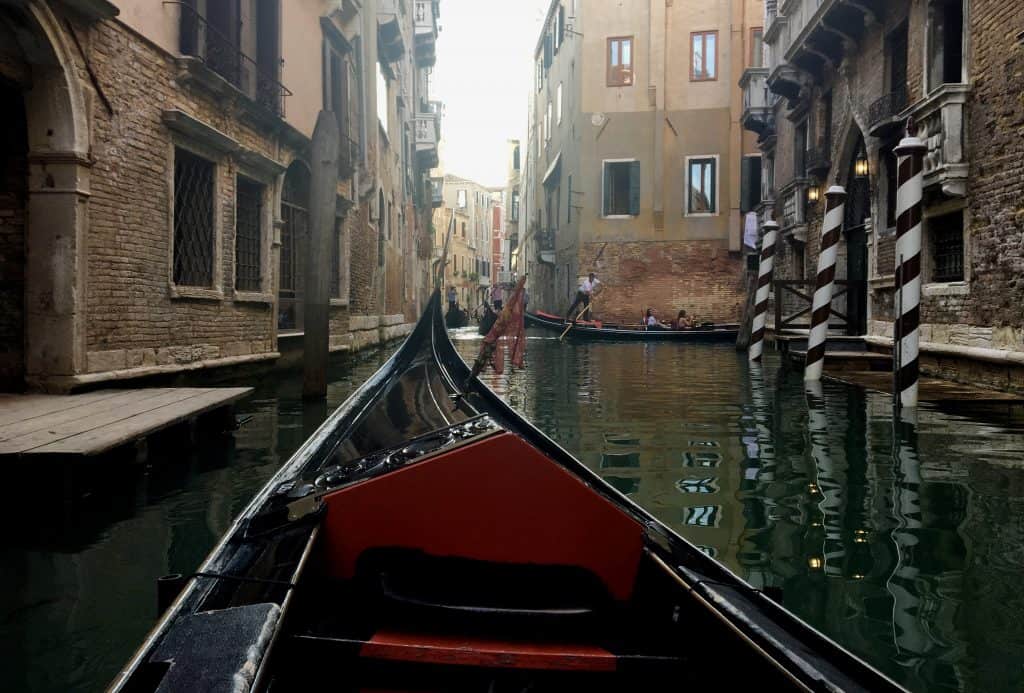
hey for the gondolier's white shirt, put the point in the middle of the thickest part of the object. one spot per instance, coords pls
(587, 286)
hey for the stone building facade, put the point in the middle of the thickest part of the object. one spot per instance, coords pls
(470, 207)
(636, 153)
(841, 81)
(154, 187)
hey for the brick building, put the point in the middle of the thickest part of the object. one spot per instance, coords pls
(635, 154)
(841, 80)
(154, 179)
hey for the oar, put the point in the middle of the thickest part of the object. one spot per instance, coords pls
(579, 315)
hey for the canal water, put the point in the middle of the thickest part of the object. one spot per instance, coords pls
(904, 543)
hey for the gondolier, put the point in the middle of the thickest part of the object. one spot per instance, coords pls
(583, 294)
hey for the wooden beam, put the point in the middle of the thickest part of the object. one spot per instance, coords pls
(322, 205)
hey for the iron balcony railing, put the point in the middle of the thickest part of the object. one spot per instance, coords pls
(885, 110)
(200, 39)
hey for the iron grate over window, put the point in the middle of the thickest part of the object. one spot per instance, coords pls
(193, 219)
(947, 237)
(248, 235)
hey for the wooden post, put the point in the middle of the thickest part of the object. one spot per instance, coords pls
(909, 195)
(765, 268)
(322, 204)
(821, 305)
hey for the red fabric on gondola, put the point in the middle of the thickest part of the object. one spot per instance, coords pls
(499, 500)
(508, 330)
(467, 650)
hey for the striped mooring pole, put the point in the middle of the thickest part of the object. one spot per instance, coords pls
(764, 285)
(906, 338)
(821, 305)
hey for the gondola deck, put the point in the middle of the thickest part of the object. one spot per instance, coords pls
(609, 332)
(425, 541)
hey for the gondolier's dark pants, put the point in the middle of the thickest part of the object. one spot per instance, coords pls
(581, 299)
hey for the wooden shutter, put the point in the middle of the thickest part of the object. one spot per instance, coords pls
(634, 188)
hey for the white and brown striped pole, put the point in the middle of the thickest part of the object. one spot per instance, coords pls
(910, 189)
(764, 284)
(821, 305)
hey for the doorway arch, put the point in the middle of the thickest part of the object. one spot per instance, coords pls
(55, 193)
(857, 214)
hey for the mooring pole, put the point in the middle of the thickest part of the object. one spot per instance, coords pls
(821, 305)
(764, 285)
(909, 192)
(322, 205)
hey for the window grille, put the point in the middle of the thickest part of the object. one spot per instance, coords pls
(947, 236)
(248, 235)
(193, 219)
(294, 234)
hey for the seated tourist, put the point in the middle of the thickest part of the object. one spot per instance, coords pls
(652, 323)
(682, 321)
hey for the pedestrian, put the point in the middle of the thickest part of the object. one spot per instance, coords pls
(583, 294)
(453, 298)
(497, 296)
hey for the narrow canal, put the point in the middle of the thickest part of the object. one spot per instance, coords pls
(906, 545)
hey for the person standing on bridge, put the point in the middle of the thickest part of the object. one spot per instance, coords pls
(583, 294)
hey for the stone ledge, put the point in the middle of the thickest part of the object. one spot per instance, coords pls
(396, 331)
(66, 383)
(388, 320)
(1004, 356)
(363, 322)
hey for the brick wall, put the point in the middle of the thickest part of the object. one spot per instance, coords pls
(996, 181)
(363, 262)
(13, 179)
(700, 276)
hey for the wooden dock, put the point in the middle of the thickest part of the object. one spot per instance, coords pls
(97, 422)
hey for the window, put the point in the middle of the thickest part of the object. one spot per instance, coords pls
(463, 229)
(704, 56)
(568, 204)
(558, 103)
(889, 161)
(757, 47)
(248, 234)
(897, 47)
(945, 42)
(702, 175)
(381, 221)
(620, 61)
(800, 151)
(294, 236)
(621, 188)
(382, 98)
(336, 288)
(768, 178)
(826, 116)
(514, 212)
(946, 234)
(540, 74)
(560, 27)
(750, 183)
(193, 219)
(461, 200)
(515, 158)
(547, 123)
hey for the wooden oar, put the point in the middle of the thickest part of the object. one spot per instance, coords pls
(579, 315)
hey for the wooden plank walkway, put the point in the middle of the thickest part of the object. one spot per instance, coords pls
(96, 422)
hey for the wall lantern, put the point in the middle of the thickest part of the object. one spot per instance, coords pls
(860, 166)
(813, 194)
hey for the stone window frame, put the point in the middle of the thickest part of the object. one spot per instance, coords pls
(267, 226)
(342, 230)
(604, 174)
(957, 288)
(927, 88)
(211, 154)
(717, 183)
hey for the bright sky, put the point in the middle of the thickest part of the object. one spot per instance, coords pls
(483, 75)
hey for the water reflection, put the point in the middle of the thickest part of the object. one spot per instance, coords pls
(902, 542)
(905, 543)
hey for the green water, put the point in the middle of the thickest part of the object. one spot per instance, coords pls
(905, 544)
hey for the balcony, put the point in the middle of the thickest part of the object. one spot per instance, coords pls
(546, 246)
(428, 133)
(390, 37)
(437, 192)
(214, 61)
(818, 163)
(757, 112)
(810, 38)
(884, 114)
(425, 34)
(942, 124)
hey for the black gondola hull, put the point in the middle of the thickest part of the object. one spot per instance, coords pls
(437, 533)
(590, 333)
